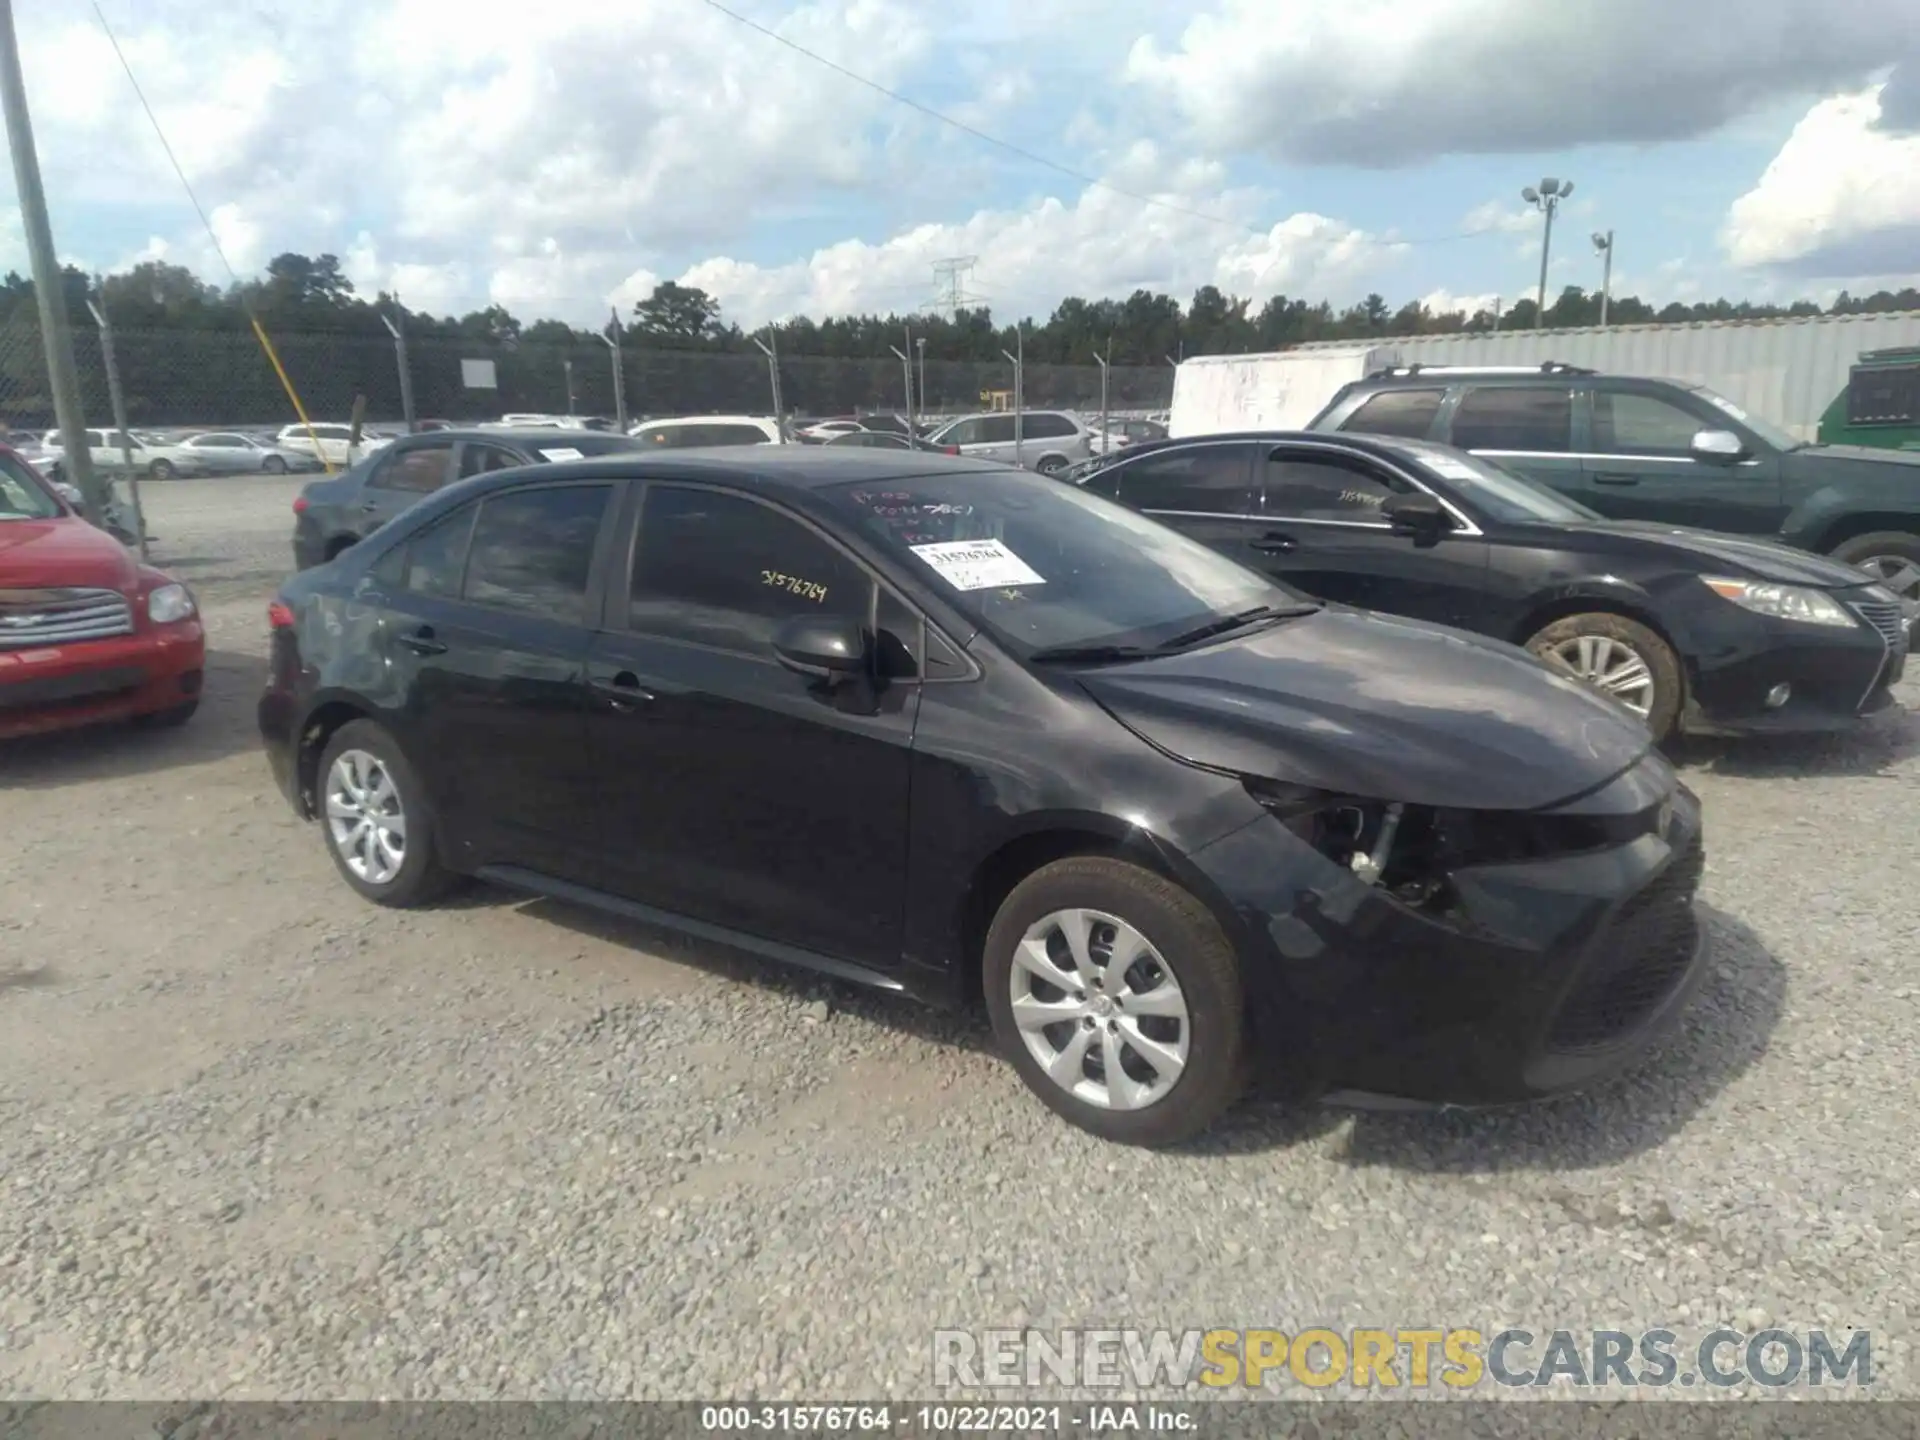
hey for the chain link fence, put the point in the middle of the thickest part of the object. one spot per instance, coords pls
(222, 379)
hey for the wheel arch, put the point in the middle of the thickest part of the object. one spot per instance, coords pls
(1053, 838)
(1866, 522)
(321, 724)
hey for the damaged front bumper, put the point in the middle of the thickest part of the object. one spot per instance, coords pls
(1507, 982)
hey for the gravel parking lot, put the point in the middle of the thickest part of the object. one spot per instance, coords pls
(258, 1139)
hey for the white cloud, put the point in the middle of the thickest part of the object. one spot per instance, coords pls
(1841, 199)
(1445, 302)
(1102, 244)
(1389, 82)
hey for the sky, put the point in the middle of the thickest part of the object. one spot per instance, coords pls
(563, 157)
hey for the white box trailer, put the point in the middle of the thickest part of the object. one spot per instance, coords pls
(1278, 391)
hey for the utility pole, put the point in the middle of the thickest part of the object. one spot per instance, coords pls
(921, 346)
(63, 376)
(118, 401)
(772, 352)
(567, 366)
(399, 333)
(619, 374)
(1604, 244)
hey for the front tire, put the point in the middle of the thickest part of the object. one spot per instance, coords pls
(1889, 556)
(1620, 658)
(1118, 999)
(376, 820)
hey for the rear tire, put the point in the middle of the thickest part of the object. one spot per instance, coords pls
(1621, 659)
(1891, 557)
(160, 470)
(1052, 464)
(376, 821)
(339, 545)
(274, 465)
(1142, 964)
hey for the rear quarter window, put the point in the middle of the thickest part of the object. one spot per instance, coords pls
(1406, 413)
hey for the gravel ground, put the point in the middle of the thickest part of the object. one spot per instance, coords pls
(260, 1140)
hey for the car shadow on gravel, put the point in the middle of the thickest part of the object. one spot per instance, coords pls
(1725, 1031)
(1874, 749)
(118, 750)
(966, 1029)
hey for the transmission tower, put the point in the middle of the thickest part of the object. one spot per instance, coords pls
(950, 283)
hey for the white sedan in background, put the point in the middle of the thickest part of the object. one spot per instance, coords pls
(332, 443)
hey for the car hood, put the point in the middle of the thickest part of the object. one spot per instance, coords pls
(1743, 556)
(45, 554)
(1381, 708)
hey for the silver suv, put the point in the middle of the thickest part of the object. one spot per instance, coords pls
(1050, 440)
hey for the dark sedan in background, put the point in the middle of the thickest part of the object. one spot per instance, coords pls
(955, 730)
(1690, 630)
(333, 514)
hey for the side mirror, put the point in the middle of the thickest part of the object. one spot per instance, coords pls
(1416, 514)
(822, 648)
(1721, 445)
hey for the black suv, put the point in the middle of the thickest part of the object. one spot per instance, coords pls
(1636, 448)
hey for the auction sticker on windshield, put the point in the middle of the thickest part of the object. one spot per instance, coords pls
(978, 565)
(561, 453)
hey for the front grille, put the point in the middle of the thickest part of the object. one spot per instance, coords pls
(30, 618)
(1889, 619)
(1639, 960)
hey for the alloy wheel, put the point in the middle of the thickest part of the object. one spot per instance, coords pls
(365, 818)
(1611, 666)
(1896, 572)
(1099, 1010)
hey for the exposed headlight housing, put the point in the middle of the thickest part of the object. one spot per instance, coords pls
(1411, 851)
(169, 603)
(1781, 602)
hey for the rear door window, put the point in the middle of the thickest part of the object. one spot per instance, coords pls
(1406, 413)
(419, 469)
(1302, 487)
(533, 550)
(1530, 418)
(1044, 425)
(479, 459)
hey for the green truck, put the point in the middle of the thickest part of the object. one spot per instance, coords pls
(1880, 406)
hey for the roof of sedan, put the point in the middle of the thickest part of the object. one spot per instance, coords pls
(809, 467)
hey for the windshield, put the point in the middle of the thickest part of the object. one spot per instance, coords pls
(22, 497)
(1766, 430)
(1043, 566)
(1490, 487)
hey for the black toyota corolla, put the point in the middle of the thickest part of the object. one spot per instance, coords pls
(958, 731)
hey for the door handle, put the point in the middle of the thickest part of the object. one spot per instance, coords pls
(421, 642)
(1616, 479)
(1274, 543)
(624, 690)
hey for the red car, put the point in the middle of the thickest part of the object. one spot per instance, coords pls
(87, 632)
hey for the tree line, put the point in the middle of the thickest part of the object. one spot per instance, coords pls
(311, 295)
(187, 355)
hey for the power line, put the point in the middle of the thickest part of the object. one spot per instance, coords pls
(1032, 157)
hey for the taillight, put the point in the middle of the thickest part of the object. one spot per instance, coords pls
(299, 504)
(279, 616)
(950, 449)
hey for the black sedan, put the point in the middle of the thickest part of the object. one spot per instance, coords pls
(1690, 630)
(340, 511)
(955, 730)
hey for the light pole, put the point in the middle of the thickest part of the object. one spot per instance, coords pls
(1547, 201)
(1604, 244)
(399, 333)
(1106, 369)
(611, 337)
(567, 365)
(771, 349)
(906, 383)
(1019, 359)
(920, 346)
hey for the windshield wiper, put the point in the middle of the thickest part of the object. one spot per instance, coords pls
(1092, 654)
(1233, 622)
(1096, 654)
